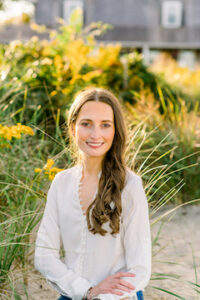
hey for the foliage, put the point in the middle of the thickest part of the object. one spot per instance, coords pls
(7, 133)
(168, 141)
(52, 71)
(22, 198)
(181, 78)
(39, 79)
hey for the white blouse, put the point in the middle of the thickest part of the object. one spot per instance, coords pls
(89, 258)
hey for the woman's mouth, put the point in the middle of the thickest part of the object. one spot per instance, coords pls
(94, 144)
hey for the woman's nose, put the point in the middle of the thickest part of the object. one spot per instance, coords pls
(95, 133)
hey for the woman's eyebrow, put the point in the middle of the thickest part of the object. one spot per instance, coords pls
(86, 120)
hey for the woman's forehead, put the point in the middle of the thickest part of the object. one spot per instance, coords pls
(96, 110)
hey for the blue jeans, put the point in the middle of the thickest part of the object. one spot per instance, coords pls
(139, 296)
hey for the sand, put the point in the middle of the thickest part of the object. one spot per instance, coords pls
(177, 252)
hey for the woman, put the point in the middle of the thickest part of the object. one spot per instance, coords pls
(97, 210)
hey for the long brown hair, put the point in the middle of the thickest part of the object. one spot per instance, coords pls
(107, 204)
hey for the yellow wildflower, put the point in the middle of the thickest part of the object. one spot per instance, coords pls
(53, 93)
(77, 55)
(49, 171)
(15, 131)
(104, 56)
(86, 77)
(51, 177)
(49, 164)
(25, 129)
(52, 172)
(58, 61)
(65, 91)
(92, 74)
(46, 51)
(56, 170)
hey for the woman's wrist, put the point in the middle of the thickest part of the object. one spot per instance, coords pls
(90, 293)
(87, 295)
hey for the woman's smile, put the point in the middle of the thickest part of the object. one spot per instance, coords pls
(94, 144)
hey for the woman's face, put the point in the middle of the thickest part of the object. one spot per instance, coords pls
(94, 129)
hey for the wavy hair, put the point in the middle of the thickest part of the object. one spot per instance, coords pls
(106, 207)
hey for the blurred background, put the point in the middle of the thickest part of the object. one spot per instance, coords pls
(147, 52)
(149, 26)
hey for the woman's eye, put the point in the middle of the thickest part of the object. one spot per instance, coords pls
(85, 124)
(106, 125)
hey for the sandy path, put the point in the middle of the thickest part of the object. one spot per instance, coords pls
(176, 252)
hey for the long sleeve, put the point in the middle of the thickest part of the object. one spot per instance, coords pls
(136, 238)
(47, 258)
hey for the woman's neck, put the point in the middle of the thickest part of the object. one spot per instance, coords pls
(91, 166)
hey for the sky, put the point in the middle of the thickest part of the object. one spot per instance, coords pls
(15, 9)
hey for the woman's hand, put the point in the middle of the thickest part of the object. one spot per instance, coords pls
(113, 284)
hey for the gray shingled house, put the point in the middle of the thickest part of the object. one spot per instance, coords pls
(147, 25)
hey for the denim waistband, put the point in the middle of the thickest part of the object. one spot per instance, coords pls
(140, 296)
